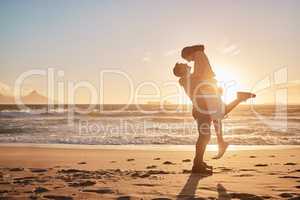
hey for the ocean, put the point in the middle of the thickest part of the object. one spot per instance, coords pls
(144, 125)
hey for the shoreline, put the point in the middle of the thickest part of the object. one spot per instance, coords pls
(150, 147)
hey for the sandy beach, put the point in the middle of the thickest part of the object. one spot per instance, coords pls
(111, 99)
(57, 173)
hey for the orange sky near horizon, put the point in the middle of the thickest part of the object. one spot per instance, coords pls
(139, 43)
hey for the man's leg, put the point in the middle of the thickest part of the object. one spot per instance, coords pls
(204, 124)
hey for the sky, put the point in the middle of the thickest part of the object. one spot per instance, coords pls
(246, 41)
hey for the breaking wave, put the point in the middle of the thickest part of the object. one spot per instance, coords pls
(153, 126)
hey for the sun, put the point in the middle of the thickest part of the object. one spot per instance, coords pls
(228, 81)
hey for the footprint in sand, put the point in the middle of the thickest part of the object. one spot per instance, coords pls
(58, 187)
(243, 175)
(16, 169)
(151, 167)
(156, 159)
(186, 160)
(81, 163)
(290, 163)
(186, 171)
(261, 165)
(273, 173)
(123, 198)
(37, 170)
(249, 170)
(82, 183)
(25, 180)
(146, 184)
(130, 159)
(71, 171)
(168, 163)
(225, 169)
(40, 190)
(292, 177)
(285, 195)
(57, 197)
(245, 196)
(103, 190)
(138, 174)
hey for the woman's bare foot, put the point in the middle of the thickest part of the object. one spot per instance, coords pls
(243, 96)
(222, 149)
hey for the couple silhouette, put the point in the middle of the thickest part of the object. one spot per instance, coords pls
(208, 107)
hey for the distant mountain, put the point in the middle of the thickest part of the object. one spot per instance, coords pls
(32, 98)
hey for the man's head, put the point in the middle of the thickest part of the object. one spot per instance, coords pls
(187, 53)
(181, 70)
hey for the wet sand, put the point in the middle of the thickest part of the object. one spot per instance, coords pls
(57, 173)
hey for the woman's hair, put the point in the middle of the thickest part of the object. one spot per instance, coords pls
(180, 69)
(187, 51)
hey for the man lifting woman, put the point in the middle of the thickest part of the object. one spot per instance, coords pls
(208, 107)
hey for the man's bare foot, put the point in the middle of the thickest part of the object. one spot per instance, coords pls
(243, 96)
(201, 170)
(207, 166)
(222, 149)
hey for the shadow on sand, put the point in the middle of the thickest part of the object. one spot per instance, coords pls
(189, 189)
